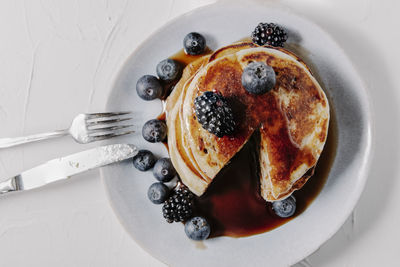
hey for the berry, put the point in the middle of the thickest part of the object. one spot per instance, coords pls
(154, 131)
(214, 114)
(179, 206)
(148, 87)
(269, 34)
(197, 228)
(158, 193)
(144, 160)
(194, 43)
(258, 78)
(164, 171)
(168, 70)
(285, 208)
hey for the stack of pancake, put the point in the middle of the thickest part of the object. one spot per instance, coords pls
(292, 120)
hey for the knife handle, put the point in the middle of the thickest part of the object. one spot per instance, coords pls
(9, 185)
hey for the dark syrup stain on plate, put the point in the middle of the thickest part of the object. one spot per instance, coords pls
(233, 205)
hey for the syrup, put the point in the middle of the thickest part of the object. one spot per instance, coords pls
(186, 59)
(232, 203)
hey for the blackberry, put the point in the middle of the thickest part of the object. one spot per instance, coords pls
(269, 34)
(179, 206)
(214, 114)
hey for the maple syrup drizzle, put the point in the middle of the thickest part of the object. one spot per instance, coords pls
(232, 204)
(186, 59)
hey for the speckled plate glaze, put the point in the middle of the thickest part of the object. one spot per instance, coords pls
(223, 24)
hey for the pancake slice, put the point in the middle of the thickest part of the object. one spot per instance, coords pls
(210, 152)
(295, 130)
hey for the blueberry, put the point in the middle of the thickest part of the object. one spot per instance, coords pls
(163, 170)
(285, 208)
(197, 228)
(194, 43)
(148, 87)
(154, 131)
(258, 78)
(144, 160)
(168, 70)
(158, 193)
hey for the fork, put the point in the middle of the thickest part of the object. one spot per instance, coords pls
(85, 128)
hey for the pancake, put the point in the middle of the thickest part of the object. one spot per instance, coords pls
(292, 120)
(180, 151)
(296, 127)
(180, 156)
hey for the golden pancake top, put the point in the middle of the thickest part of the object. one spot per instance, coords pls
(292, 119)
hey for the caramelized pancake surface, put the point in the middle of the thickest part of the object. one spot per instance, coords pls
(292, 120)
(295, 131)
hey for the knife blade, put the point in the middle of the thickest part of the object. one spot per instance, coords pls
(65, 167)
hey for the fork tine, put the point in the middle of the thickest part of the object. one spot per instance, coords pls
(99, 122)
(111, 128)
(107, 136)
(106, 114)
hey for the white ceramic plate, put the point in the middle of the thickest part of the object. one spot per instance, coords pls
(223, 24)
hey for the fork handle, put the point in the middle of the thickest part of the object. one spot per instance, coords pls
(9, 142)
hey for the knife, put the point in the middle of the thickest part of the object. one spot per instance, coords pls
(65, 167)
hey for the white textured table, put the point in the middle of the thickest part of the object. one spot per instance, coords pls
(59, 58)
